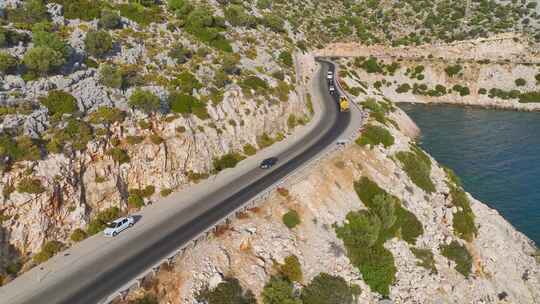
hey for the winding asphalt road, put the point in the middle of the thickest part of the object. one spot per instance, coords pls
(93, 274)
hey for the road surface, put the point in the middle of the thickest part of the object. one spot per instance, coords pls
(89, 272)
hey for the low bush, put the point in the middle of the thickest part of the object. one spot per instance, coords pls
(30, 185)
(249, 149)
(20, 148)
(329, 289)
(286, 58)
(76, 132)
(100, 220)
(453, 70)
(520, 82)
(134, 140)
(165, 192)
(426, 259)
(145, 101)
(291, 269)
(86, 10)
(403, 88)
(135, 199)
(98, 43)
(463, 91)
(59, 103)
(460, 255)
(291, 219)
(118, 155)
(254, 83)
(8, 63)
(48, 250)
(141, 14)
(417, 165)
(375, 135)
(107, 115)
(156, 139)
(279, 291)
(51, 40)
(43, 60)
(529, 97)
(110, 20)
(463, 219)
(110, 76)
(31, 12)
(180, 53)
(229, 160)
(265, 140)
(187, 104)
(229, 291)
(78, 235)
(273, 22)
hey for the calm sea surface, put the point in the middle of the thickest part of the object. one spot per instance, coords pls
(496, 153)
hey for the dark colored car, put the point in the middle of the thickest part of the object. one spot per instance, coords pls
(268, 163)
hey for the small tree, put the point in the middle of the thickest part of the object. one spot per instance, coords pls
(41, 38)
(279, 291)
(8, 63)
(110, 76)
(361, 230)
(286, 58)
(145, 101)
(98, 43)
(110, 20)
(328, 289)
(292, 269)
(43, 60)
(60, 102)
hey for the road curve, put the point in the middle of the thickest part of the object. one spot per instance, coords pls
(108, 270)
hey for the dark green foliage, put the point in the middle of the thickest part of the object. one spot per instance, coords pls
(463, 220)
(30, 185)
(78, 235)
(98, 223)
(48, 250)
(33, 11)
(146, 299)
(418, 167)
(426, 259)
(110, 20)
(106, 115)
(19, 149)
(50, 40)
(141, 14)
(187, 82)
(187, 104)
(110, 76)
(463, 91)
(361, 231)
(291, 269)
(135, 199)
(460, 255)
(9, 38)
(273, 22)
(8, 63)
(375, 135)
(482, 91)
(384, 207)
(371, 65)
(237, 16)
(120, 156)
(291, 219)
(145, 101)
(286, 58)
(403, 88)
(328, 289)
(530, 97)
(254, 83)
(98, 43)
(226, 161)
(76, 132)
(180, 53)
(520, 82)
(264, 4)
(227, 292)
(453, 70)
(43, 60)
(279, 291)
(86, 10)
(201, 23)
(59, 103)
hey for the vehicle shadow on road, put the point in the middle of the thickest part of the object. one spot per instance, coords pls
(136, 218)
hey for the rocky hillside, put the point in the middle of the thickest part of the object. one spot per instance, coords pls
(379, 219)
(502, 71)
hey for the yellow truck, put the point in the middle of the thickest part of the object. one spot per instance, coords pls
(343, 104)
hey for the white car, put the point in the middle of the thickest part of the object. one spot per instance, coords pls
(330, 75)
(117, 226)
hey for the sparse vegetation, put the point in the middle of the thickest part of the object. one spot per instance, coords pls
(30, 185)
(291, 269)
(417, 165)
(460, 255)
(375, 135)
(227, 292)
(48, 250)
(329, 289)
(229, 160)
(426, 260)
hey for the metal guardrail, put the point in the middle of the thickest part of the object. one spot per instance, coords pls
(290, 179)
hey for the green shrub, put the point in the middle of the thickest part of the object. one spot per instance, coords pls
(86, 10)
(375, 135)
(460, 255)
(463, 220)
(463, 91)
(78, 235)
(98, 43)
(8, 63)
(265, 140)
(254, 83)
(156, 139)
(33, 11)
(59, 103)
(98, 223)
(227, 292)
(165, 192)
(371, 66)
(43, 60)
(426, 259)
(537, 77)
(362, 229)
(180, 53)
(229, 160)
(279, 291)
(201, 23)
(187, 104)
(418, 167)
(106, 115)
(133, 140)
(110, 20)
(20, 148)
(187, 82)
(291, 219)
(384, 207)
(403, 88)
(482, 91)
(140, 14)
(237, 16)
(13, 268)
(135, 199)
(273, 22)
(110, 76)
(48, 250)
(328, 289)
(30, 185)
(76, 132)
(291, 269)
(118, 155)
(249, 149)
(286, 58)
(530, 97)
(453, 70)
(520, 82)
(145, 101)
(50, 40)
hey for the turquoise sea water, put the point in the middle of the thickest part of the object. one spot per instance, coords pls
(496, 153)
